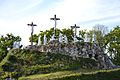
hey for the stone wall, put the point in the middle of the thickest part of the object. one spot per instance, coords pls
(79, 49)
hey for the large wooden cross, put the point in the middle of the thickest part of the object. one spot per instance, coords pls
(55, 19)
(32, 30)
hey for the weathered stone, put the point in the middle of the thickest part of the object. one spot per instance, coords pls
(75, 50)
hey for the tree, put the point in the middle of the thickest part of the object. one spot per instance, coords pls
(49, 33)
(112, 42)
(6, 43)
(69, 33)
(100, 31)
(82, 33)
(90, 35)
(34, 36)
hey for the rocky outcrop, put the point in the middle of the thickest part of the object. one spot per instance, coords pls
(79, 49)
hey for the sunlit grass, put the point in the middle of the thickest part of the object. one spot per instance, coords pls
(59, 74)
(50, 75)
(63, 74)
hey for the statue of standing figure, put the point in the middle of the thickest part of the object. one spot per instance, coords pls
(86, 39)
(16, 44)
(94, 38)
(53, 37)
(60, 38)
(65, 39)
(45, 40)
(39, 40)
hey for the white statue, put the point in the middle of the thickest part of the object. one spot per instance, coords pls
(16, 44)
(39, 40)
(94, 37)
(53, 37)
(75, 39)
(45, 40)
(86, 39)
(65, 39)
(60, 38)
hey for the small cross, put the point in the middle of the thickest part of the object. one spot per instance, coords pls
(75, 27)
(32, 25)
(55, 19)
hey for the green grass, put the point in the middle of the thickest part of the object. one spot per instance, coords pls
(35, 65)
(50, 75)
(5, 60)
(58, 74)
(21, 62)
(73, 75)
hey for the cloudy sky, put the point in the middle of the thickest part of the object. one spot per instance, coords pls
(16, 14)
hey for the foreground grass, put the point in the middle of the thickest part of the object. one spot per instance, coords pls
(55, 75)
(22, 62)
(76, 75)
(50, 75)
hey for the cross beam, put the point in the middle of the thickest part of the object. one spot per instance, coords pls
(32, 30)
(55, 19)
(75, 27)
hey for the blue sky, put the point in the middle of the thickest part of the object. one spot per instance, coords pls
(16, 14)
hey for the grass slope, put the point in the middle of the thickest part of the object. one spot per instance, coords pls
(21, 62)
(69, 75)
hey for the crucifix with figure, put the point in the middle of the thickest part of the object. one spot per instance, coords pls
(32, 30)
(75, 27)
(55, 19)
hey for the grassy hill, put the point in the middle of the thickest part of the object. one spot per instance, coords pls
(113, 74)
(22, 62)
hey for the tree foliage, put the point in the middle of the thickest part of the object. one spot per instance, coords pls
(49, 34)
(82, 33)
(100, 31)
(69, 33)
(112, 42)
(6, 43)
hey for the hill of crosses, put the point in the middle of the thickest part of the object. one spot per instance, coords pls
(78, 48)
